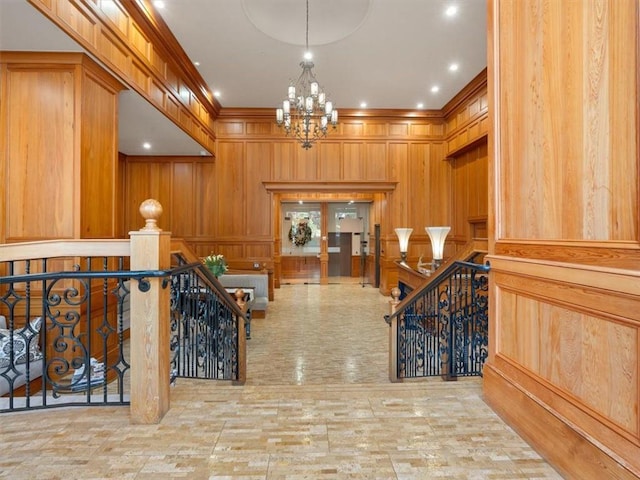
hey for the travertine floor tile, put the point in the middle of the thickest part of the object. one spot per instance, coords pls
(317, 405)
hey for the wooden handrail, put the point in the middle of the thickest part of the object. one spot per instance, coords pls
(471, 249)
(64, 248)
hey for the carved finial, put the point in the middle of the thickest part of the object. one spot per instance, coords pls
(151, 210)
(239, 294)
(395, 299)
(395, 293)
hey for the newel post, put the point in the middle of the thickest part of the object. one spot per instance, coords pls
(393, 337)
(242, 339)
(150, 250)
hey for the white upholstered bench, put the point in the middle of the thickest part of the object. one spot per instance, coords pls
(259, 282)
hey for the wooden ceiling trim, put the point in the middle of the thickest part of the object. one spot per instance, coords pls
(330, 187)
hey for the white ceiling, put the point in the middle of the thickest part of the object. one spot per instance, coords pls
(388, 53)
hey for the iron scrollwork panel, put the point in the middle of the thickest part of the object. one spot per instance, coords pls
(204, 335)
(444, 330)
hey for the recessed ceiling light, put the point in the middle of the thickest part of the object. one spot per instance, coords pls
(453, 67)
(420, 105)
(217, 94)
(435, 89)
(158, 4)
(451, 11)
(197, 64)
(363, 104)
(146, 145)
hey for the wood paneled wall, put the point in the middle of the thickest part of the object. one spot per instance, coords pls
(184, 186)
(565, 248)
(58, 118)
(138, 47)
(469, 194)
(403, 153)
(385, 148)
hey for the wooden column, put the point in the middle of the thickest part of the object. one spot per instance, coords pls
(150, 250)
(59, 116)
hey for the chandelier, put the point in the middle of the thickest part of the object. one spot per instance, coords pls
(306, 112)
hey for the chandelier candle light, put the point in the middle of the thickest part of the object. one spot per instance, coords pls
(306, 112)
(437, 236)
(403, 240)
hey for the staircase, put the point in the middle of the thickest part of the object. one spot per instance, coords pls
(441, 327)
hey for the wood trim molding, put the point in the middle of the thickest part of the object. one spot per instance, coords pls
(136, 51)
(612, 254)
(155, 27)
(332, 187)
(572, 451)
(378, 114)
(456, 152)
(471, 89)
(588, 276)
(64, 248)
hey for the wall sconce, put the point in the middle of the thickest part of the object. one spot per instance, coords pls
(437, 236)
(403, 239)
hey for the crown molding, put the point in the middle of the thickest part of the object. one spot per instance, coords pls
(330, 187)
(382, 114)
(470, 89)
(153, 25)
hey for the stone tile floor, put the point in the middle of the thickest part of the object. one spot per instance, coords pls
(317, 405)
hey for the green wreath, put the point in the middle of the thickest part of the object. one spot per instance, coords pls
(300, 235)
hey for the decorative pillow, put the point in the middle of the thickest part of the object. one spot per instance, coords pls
(25, 342)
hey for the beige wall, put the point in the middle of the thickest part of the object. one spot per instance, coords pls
(565, 295)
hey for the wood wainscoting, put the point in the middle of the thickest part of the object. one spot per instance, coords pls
(564, 338)
(307, 266)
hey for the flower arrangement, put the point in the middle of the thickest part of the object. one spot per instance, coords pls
(300, 234)
(216, 264)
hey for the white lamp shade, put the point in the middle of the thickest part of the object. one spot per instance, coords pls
(403, 238)
(437, 236)
(328, 107)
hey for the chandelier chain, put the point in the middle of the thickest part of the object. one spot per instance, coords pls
(307, 37)
(306, 112)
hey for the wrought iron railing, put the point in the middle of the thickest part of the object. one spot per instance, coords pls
(64, 342)
(64, 338)
(207, 326)
(442, 329)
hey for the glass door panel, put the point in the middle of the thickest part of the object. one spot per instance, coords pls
(301, 235)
